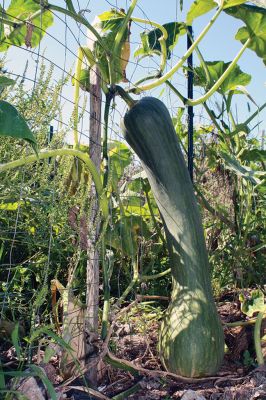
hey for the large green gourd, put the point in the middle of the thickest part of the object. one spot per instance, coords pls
(191, 341)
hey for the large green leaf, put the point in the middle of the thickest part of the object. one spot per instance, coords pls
(216, 69)
(255, 29)
(14, 125)
(21, 12)
(201, 7)
(150, 40)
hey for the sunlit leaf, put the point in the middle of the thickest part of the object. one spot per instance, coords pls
(255, 29)
(253, 303)
(201, 7)
(198, 8)
(14, 125)
(150, 40)
(216, 69)
(24, 13)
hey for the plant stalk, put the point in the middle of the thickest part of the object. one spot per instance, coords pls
(257, 344)
(162, 39)
(219, 82)
(179, 64)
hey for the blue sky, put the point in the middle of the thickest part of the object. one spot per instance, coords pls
(219, 44)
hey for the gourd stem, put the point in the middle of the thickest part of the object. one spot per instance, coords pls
(147, 78)
(179, 64)
(118, 40)
(64, 152)
(76, 96)
(125, 96)
(184, 100)
(219, 82)
(162, 39)
(216, 86)
(257, 344)
(200, 56)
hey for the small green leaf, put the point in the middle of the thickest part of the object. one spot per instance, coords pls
(255, 29)
(253, 303)
(216, 68)
(5, 81)
(14, 125)
(150, 40)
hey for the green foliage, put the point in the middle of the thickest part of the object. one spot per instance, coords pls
(150, 40)
(201, 7)
(108, 25)
(5, 81)
(215, 70)
(17, 30)
(14, 125)
(253, 303)
(255, 29)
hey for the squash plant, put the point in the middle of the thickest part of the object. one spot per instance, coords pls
(191, 338)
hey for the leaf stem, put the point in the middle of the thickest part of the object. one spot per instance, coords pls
(65, 152)
(219, 82)
(162, 39)
(257, 344)
(179, 64)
